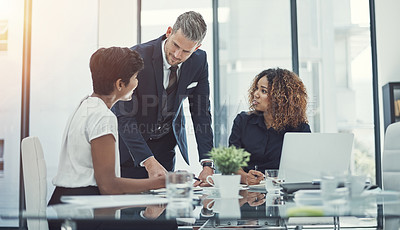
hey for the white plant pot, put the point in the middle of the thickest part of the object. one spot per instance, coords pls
(228, 185)
(227, 208)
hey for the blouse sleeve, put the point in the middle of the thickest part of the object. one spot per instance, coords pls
(236, 135)
(102, 125)
(304, 127)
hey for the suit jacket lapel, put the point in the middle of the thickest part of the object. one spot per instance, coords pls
(185, 78)
(158, 71)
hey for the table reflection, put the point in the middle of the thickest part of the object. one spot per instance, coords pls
(250, 209)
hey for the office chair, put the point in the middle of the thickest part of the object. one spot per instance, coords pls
(34, 171)
(391, 158)
(391, 171)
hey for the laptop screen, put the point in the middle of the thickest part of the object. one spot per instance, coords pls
(306, 155)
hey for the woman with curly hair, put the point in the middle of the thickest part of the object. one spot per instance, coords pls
(278, 101)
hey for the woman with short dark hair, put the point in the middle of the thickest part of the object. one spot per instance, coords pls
(89, 158)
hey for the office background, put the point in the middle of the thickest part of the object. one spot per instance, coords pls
(331, 51)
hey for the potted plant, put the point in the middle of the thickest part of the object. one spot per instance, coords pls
(228, 160)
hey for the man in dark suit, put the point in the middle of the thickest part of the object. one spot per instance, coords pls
(153, 123)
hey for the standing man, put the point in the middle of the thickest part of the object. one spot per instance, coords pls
(153, 123)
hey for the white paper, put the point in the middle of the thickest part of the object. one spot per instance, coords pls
(114, 200)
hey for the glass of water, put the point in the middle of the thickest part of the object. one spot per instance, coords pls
(179, 188)
(335, 192)
(273, 180)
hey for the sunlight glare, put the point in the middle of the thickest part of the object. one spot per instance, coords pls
(4, 9)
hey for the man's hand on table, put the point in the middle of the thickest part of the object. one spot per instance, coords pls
(154, 168)
(207, 171)
(154, 211)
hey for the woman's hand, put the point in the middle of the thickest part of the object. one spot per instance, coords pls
(254, 177)
(255, 199)
(252, 198)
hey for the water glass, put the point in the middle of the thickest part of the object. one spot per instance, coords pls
(272, 199)
(334, 190)
(356, 185)
(179, 187)
(273, 180)
(179, 210)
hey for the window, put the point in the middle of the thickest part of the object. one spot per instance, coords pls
(335, 64)
(254, 35)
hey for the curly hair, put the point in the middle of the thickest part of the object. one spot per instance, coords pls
(287, 95)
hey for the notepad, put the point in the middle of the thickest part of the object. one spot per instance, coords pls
(114, 200)
(164, 190)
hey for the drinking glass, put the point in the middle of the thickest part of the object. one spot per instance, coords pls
(273, 181)
(179, 187)
(335, 193)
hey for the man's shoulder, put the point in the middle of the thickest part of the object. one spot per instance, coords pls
(198, 54)
(147, 47)
(198, 59)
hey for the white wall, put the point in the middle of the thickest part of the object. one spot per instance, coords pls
(387, 36)
(10, 105)
(117, 23)
(388, 46)
(63, 39)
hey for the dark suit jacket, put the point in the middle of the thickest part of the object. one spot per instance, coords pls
(138, 117)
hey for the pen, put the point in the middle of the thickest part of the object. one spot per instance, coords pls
(256, 168)
(194, 177)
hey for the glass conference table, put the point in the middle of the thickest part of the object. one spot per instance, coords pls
(254, 208)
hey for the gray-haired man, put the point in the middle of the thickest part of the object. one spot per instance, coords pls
(153, 123)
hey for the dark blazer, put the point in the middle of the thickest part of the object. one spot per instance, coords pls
(265, 145)
(138, 117)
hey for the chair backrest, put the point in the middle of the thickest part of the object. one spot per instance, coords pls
(391, 158)
(35, 176)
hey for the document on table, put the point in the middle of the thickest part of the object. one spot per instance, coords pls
(164, 190)
(260, 186)
(114, 200)
(308, 197)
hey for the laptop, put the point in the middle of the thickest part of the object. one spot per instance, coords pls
(306, 155)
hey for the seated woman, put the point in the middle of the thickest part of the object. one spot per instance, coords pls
(89, 158)
(278, 102)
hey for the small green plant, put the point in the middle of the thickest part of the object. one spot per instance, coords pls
(229, 159)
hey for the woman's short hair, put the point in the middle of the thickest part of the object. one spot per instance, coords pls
(287, 96)
(110, 64)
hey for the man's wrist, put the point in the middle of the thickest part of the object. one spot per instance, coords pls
(147, 161)
(142, 214)
(206, 159)
(207, 164)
